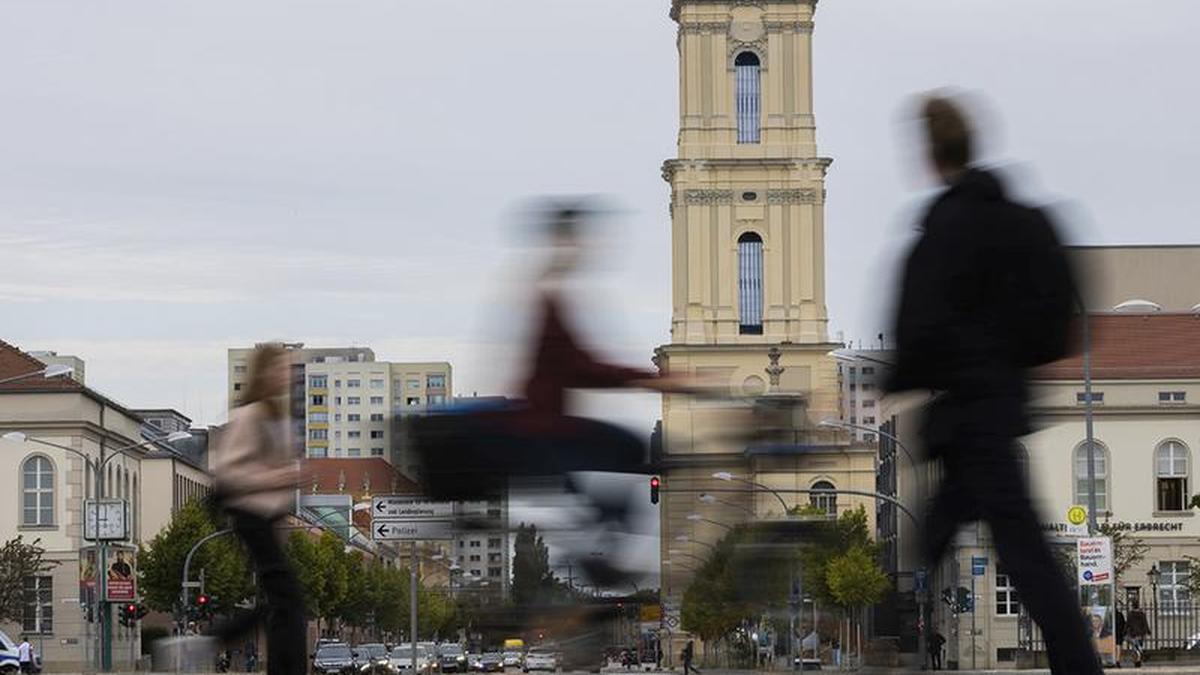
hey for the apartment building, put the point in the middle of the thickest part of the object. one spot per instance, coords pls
(351, 407)
(860, 381)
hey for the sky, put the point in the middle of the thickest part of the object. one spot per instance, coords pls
(177, 178)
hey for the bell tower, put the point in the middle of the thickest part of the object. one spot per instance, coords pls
(748, 287)
(747, 189)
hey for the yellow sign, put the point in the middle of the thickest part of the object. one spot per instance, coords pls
(1076, 515)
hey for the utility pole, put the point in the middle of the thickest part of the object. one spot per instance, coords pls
(412, 604)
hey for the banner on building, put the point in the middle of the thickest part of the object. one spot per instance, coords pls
(121, 575)
(1095, 561)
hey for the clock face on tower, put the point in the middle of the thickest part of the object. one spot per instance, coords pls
(747, 31)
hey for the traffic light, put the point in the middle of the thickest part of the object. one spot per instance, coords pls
(129, 614)
(204, 606)
(654, 485)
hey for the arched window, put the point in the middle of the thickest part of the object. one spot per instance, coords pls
(826, 501)
(750, 283)
(1171, 468)
(749, 96)
(37, 492)
(1081, 476)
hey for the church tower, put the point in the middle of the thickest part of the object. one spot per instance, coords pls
(748, 285)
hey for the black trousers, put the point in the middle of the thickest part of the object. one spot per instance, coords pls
(935, 659)
(984, 481)
(283, 611)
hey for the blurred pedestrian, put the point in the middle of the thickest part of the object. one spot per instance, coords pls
(936, 642)
(987, 294)
(256, 473)
(689, 655)
(1137, 628)
(25, 655)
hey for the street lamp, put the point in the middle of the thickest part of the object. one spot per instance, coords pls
(683, 538)
(729, 477)
(712, 499)
(697, 518)
(53, 370)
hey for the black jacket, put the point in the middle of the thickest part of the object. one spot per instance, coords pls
(949, 323)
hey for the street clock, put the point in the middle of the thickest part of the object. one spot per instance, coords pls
(113, 518)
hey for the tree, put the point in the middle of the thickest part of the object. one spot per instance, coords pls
(856, 581)
(160, 561)
(532, 579)
(18, 562)
(322, 568)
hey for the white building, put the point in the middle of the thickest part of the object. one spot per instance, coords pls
(1146, 395)
(49, 486)
(860, 379)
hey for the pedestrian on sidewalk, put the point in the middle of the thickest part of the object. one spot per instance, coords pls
(25, 655)
(1137, 628)
(987, 294)
(689, 653)
(936, 642)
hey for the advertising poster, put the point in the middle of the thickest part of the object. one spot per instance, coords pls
(1095, 579)
(121, 578)
(87, 575)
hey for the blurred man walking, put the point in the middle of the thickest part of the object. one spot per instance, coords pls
(987, 294)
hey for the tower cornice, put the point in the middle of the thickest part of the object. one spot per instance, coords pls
(677, 5)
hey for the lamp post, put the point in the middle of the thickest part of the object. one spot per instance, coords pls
(697, 518)
(97, 466)
(1154, 576)
(710, 499)
(729, 477)
(53, 370)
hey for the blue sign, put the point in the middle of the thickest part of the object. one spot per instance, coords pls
(920, 580)
(978, 565)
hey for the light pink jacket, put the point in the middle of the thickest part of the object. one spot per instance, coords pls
(255, 465)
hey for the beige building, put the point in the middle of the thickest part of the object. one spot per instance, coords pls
(49, 486)
(1146, 394)
(351, 408)
(346, 403)
(748, 282)
(1163, 274)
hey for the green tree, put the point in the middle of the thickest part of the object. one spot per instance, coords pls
(321, 565)
(18, 561)
(855, 579)
(532, 579)
(160, 561)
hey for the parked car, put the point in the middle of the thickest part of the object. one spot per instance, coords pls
(540, 660)
(370, 656)
(333, 658)
(452, 658)
(513, 659)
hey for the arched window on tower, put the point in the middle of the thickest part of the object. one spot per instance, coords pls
(749, 96)
(750, 284)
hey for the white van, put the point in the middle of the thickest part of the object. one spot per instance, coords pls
(9, 662)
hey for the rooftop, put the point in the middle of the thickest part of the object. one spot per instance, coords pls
(1136, 347)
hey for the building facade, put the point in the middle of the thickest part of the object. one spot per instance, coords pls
(1146, 380)
(49, 489)
(351, 407)
(748, 285)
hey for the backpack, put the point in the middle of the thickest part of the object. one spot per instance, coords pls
(1039, 297)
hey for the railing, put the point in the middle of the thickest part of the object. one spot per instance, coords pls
(1173, 626)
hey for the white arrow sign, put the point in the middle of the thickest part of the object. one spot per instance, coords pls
(412, 530)
(407, 508)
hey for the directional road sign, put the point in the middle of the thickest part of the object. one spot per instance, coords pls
(411, 530)
(408, 508)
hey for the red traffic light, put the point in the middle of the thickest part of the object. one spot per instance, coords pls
(132, 609)
(202, 600)
(654, 484)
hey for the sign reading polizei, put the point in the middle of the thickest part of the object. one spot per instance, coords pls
(411, 530)
(408, 508)
(1095, 561)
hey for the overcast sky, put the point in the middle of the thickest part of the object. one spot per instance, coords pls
(179, 177)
